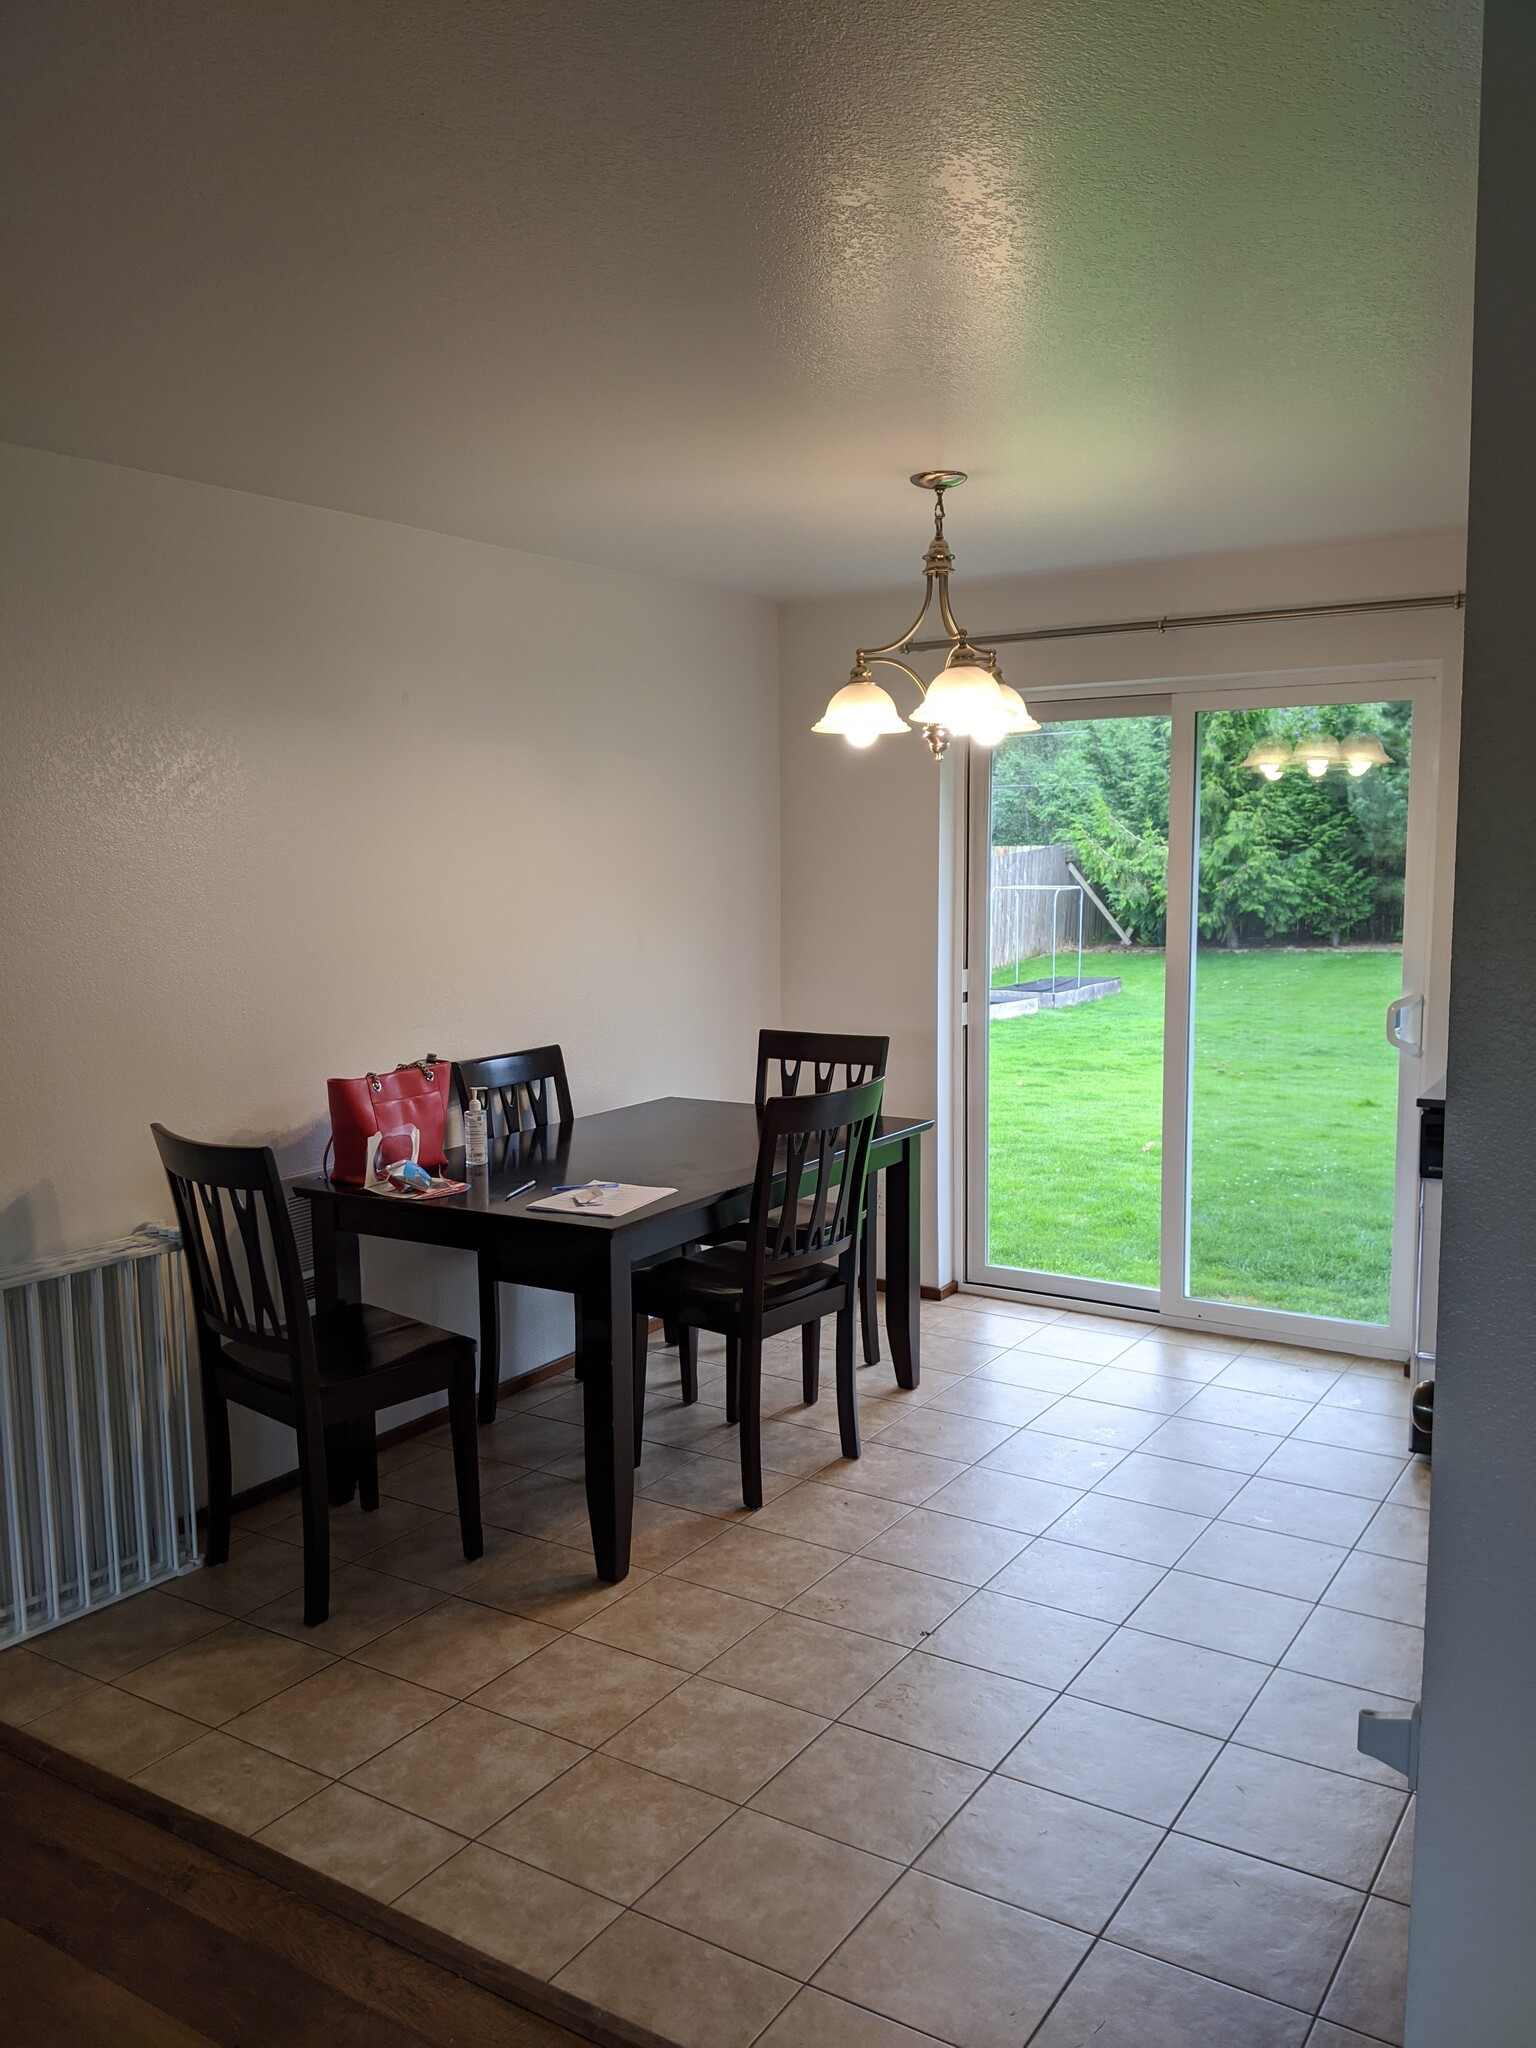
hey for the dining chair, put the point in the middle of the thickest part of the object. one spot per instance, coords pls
(796, 1263)
(522, 1089)
(260, 1347)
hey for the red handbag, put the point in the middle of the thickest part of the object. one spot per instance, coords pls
(407, 1111)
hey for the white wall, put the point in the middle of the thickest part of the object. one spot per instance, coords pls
(287, 793)
(869, 854)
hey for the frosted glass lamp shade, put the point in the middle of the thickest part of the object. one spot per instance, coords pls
(966, 700)
(1270, 758)
(861, 711)
(1362, 752)
(1318, 753)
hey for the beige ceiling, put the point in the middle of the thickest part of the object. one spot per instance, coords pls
(689, 286)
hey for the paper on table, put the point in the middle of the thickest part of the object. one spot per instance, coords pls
(611, 1202)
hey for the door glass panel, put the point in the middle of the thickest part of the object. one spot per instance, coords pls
(1077, 905)
(1301, 845)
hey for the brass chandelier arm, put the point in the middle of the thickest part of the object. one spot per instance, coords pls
(885, 661)
(956, 633)
(895, 646)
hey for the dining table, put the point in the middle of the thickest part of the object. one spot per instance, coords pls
(705, 1152)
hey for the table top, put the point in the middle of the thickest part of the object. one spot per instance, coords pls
(704, 1150)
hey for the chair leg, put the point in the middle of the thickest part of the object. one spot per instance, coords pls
(810, 1361)
(688, 1364)
(869, 1295)
(316, 1510)
(670, 1333)
(466, 1456)
(365, 1452)
(642, 1342)
(490, 1339)
(577, 1367)
(732, 1377)
(847, 1381)
(750, 1402)
(220, 1484)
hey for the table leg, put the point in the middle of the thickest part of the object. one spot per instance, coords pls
(606, 1356)
(338, 1279)
(903, 1206)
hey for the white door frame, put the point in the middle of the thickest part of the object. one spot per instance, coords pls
(1419, 683)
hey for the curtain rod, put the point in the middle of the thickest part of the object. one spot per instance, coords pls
(1445, 600)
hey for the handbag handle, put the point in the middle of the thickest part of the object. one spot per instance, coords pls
(427, 1065)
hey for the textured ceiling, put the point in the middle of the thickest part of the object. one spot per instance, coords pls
(690, 285)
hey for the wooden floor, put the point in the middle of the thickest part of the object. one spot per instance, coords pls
(114, 1929)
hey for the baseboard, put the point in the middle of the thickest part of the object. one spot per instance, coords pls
(531, 1994)
(930, 1293)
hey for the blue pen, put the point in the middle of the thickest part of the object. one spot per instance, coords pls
(527, 1184)
(576, 1187)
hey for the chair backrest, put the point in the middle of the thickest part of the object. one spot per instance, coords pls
(823, 1059)
(242, 1262)
(812, 1162)
(524, 1091)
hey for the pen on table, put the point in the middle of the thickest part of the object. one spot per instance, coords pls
(527, 1184)
(578, 1187)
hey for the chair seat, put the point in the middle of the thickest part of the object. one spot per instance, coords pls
(355, 1341)
(713, 1281)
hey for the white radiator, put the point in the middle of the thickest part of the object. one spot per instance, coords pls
(96, 1479)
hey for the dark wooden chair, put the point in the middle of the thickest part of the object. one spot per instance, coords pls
(797, 1262)
(524, 1091)
(260, 1346)
(824, 1060)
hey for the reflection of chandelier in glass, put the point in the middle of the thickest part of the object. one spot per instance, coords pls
(1317, 752)
(968, 696)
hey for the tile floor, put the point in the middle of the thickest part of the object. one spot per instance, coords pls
(1036, 1724)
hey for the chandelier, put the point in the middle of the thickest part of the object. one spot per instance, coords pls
(1317, 752)
(967, 698)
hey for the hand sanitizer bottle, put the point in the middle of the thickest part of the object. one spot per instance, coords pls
(475, 1147)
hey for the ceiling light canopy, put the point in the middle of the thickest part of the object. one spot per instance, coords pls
(968, 696)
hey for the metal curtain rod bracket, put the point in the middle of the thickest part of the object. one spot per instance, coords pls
(1171, 622)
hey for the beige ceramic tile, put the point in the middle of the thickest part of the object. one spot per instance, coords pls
(945, 1435)
(772, 1892)
(225, 1672)
(259, 1570)
(894, 1474)
(675, 1622)
(663, 1535)
(360, 1841)
(31, 1686)
(881, 1600)
(1241, 1620)
(456, 1647)
(707, 1486)
(829, 1515)
(584, 1691)
(609, 1827)
(1119, 1999)
(1091, 1582)
(338, 1719)
(1144, 1768)
(537, 1504)
(1062, 1857)
(1295, 1565)
(1270, 1931)
(547, 1582)
(716, 1738)
(814, 2019)
(1317, 1721)
(1357, 1649)
(1293, 1813)
(1006, 1500)
(1307, 1511)
(122, 1637)
(231, 1782)
(1369, 1991)
(1042, 1645)
(976, 1717)
(355, 1534)
(968, 1552)
(969, 1970)
(806, 1663)
(687, 1991)
(509, 1910)
(756, 1565)
(872, 1793)
(1205, 1690)
(466, 1769)
(114, 1731)
(364, 1604)
(1390, 1588)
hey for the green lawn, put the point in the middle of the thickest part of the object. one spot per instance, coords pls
(1295, 1094)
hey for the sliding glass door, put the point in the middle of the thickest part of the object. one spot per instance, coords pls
(1195, 1008)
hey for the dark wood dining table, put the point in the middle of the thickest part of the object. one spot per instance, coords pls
(707, 1152)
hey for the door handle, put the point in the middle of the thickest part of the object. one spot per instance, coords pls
(1405, 1025)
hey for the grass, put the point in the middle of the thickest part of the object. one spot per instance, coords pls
(1293, 1141)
